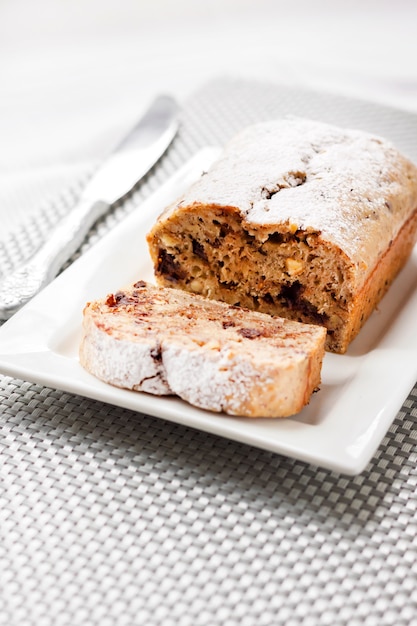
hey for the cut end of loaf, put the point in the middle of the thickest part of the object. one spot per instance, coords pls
(282, 271)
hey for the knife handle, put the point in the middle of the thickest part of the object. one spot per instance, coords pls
(67, 236)
(21, 285)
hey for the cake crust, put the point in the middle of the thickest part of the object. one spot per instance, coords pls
(298, 219)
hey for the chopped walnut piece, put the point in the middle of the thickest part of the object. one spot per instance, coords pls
(294, 267)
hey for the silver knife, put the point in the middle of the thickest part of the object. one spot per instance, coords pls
(122, 171)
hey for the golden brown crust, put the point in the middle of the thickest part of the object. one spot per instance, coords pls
(380, 280)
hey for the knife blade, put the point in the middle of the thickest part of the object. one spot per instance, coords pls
(132, 159)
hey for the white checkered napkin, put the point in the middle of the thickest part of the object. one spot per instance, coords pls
(112, 518)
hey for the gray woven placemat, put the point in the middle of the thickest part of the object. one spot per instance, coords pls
(108, 517)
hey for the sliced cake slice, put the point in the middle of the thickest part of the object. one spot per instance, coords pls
(210, 354)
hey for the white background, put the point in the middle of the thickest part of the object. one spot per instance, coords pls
(75, 74)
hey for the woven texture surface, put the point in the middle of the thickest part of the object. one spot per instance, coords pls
(108, 517)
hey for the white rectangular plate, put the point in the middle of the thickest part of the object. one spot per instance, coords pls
(343, 425)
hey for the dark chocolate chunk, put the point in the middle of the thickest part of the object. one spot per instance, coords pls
(168, 266)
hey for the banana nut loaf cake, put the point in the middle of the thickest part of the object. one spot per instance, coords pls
(296, 218)
(214, 356)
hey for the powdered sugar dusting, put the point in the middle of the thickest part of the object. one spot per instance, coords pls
(217, 381)
(214, 380)
(354, 189)
(123, 363)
